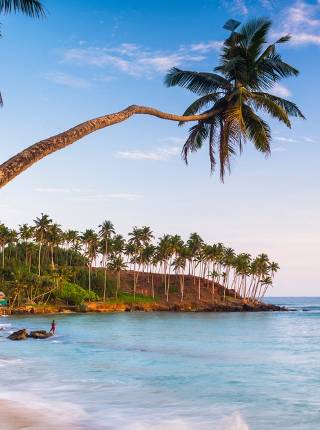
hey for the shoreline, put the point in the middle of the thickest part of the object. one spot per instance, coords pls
(101, 307)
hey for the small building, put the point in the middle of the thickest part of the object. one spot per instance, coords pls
(3, 300)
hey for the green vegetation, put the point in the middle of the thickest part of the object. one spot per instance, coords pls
(73, 294)
(41, 263)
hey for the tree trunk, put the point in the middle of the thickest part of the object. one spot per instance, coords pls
(105, 285)
(39, 259)
(26, 158)
(89, 280)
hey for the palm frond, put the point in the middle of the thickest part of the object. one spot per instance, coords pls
(212, 133)
(198, 82)
(284, 39)
(230, 137)
(199, 104)
(261, 101)
(32, 8)
(290, 107)
(258, 130)
(197, 135)
(255, 34)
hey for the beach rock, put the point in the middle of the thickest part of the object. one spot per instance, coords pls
(40, 334)
(19, 335)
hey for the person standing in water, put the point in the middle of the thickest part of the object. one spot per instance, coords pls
(53, 327)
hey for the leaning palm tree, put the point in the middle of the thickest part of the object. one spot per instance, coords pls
(226, 112)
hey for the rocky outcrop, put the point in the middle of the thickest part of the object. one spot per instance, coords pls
(40, 334)
(23, 334)
(19, 335)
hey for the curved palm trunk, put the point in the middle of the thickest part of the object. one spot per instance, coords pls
(26, 158)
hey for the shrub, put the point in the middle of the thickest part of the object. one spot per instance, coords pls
(73, 294)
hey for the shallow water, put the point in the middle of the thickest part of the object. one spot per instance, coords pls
(141, 371)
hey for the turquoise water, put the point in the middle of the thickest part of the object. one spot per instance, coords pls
(234, 371)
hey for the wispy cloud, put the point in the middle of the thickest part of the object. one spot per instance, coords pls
(302, 21)
(205, 46)
(285, 139)
(308, 139)
(156, 155)
(107, 197)
(78, 194)
(67, 80)
(58, 190)
(139, 61)
(281, 90)
(279, 149)
(238, 6)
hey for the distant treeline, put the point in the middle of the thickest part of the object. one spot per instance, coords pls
(42, 262)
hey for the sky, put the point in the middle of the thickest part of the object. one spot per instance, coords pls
(90, 58)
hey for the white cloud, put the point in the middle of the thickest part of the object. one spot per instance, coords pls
(305, 38)
(279, 149)
(139, 61)
(68, 80)
(106, 197)
(281, 90)
(156, 155)
(285, 139)
(302, 21)
(238, 6)
(89, 195)
(308, 139)
(58, 190)
(206, 47)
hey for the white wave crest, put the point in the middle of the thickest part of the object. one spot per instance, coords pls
(17, 413)
(234, 422)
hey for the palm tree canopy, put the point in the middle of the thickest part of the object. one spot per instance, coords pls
(237, 91)
(32, 8)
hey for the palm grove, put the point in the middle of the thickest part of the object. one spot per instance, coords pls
(41, 263)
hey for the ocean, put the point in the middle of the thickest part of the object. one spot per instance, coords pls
(161, 370)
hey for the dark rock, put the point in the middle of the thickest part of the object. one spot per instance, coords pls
(40, 334)
(19, 335)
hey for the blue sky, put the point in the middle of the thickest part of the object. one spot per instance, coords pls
(91, 58)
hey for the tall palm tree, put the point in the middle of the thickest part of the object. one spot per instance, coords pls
(105, 233)
(4, 240)
(71, 238)
(226, 112)
(117, 264)
(41, 228)
(54, 239)
(90, 240)
(26, 234)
